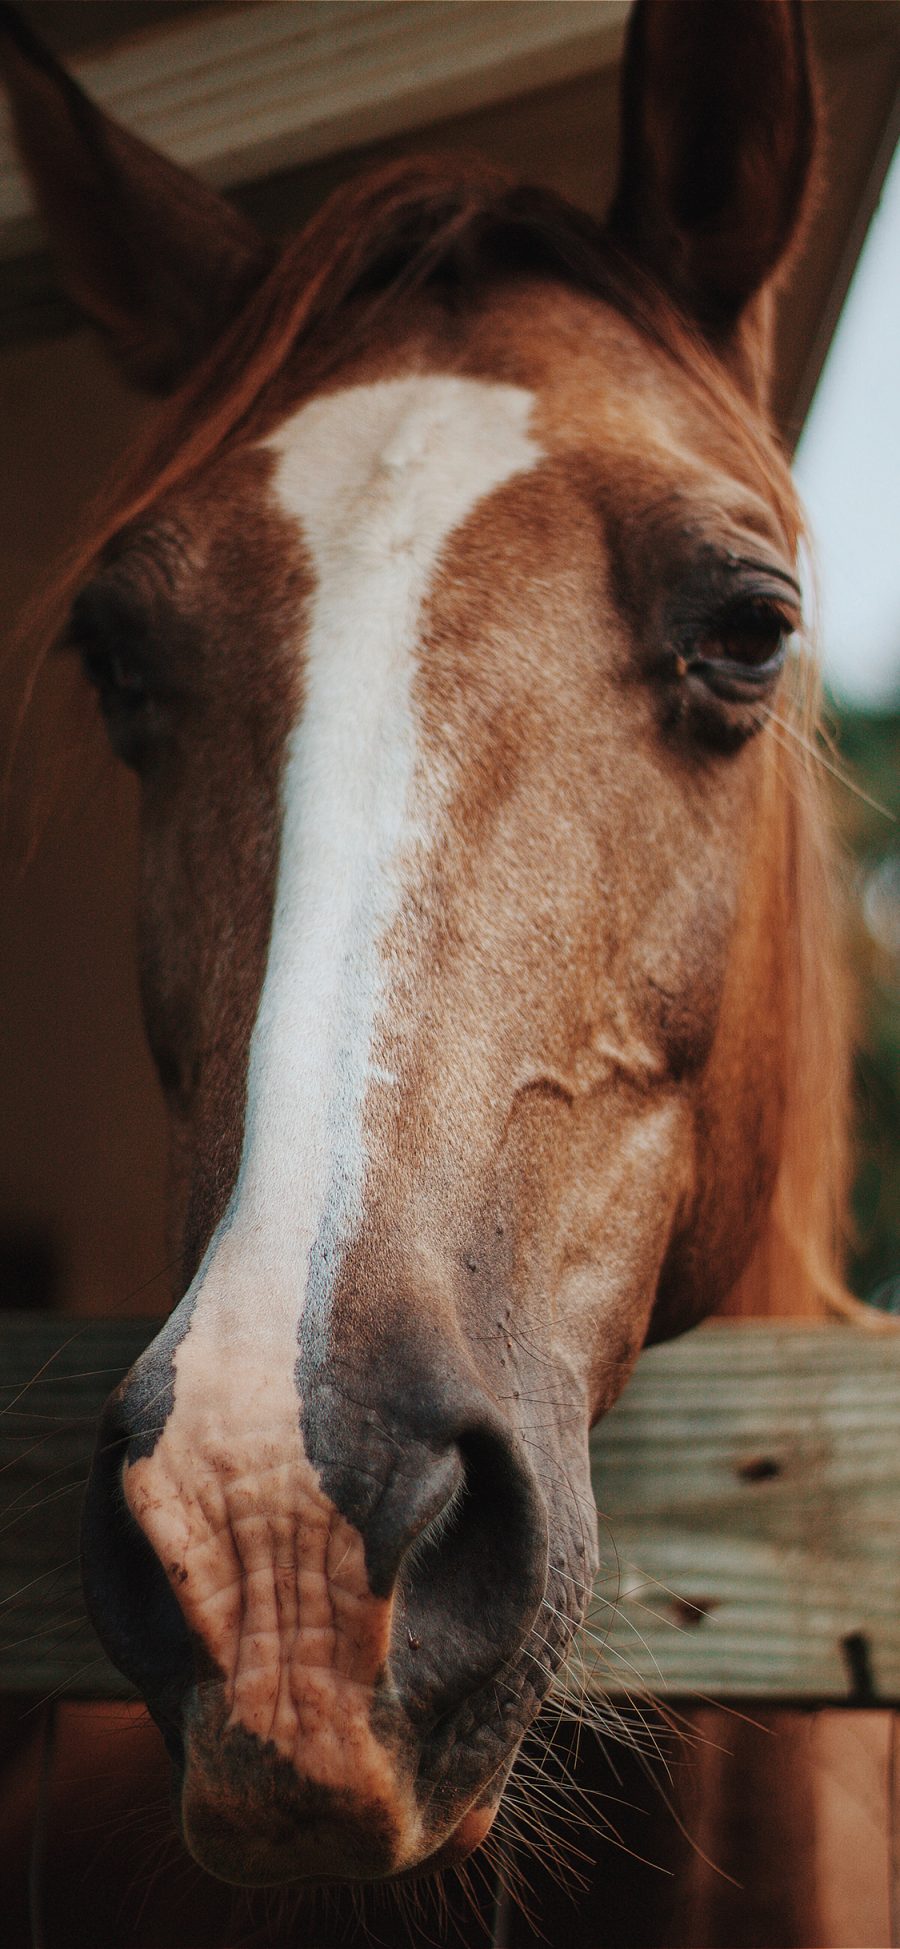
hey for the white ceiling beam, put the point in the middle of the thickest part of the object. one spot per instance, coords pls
(240, 92)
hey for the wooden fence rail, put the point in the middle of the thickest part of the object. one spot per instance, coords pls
(748, 1485)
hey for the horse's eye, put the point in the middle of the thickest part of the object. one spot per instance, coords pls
(752, 634)
(116, 682)
(742, 649)
(113, 651)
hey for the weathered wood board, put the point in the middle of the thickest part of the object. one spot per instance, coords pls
(748, 1485)
(245, 90)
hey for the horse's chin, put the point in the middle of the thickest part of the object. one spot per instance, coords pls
(327, 1852)
(251, 1838)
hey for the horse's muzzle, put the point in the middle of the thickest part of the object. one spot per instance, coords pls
(323, 1646)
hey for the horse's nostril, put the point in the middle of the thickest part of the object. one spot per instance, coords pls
(453, 1525)
(412, 1510)
(470, 1587)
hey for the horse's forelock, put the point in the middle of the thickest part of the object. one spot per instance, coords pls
(374, 243)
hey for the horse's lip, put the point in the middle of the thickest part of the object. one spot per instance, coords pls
(468, 1832)
(455, 1847)
(312, 1838)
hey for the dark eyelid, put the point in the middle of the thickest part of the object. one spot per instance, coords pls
(757, 601)
(772, 571)
(109, 621)
(752, 583)
(104, 616)
(118, 644)
(723, 582)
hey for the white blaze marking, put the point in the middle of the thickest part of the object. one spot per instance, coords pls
(378, 477)
(266, 1570)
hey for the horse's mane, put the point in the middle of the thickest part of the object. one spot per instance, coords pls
(452, 225)
(797, 1268)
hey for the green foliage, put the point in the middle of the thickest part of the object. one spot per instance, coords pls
(869, 746)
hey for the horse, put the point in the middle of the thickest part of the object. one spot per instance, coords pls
(447, 613)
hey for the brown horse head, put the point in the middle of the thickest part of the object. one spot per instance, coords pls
(444, 620)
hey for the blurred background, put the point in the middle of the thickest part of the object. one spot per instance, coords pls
(848, 467)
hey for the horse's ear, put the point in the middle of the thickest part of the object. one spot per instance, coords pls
(154, 257)
(717, 141)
